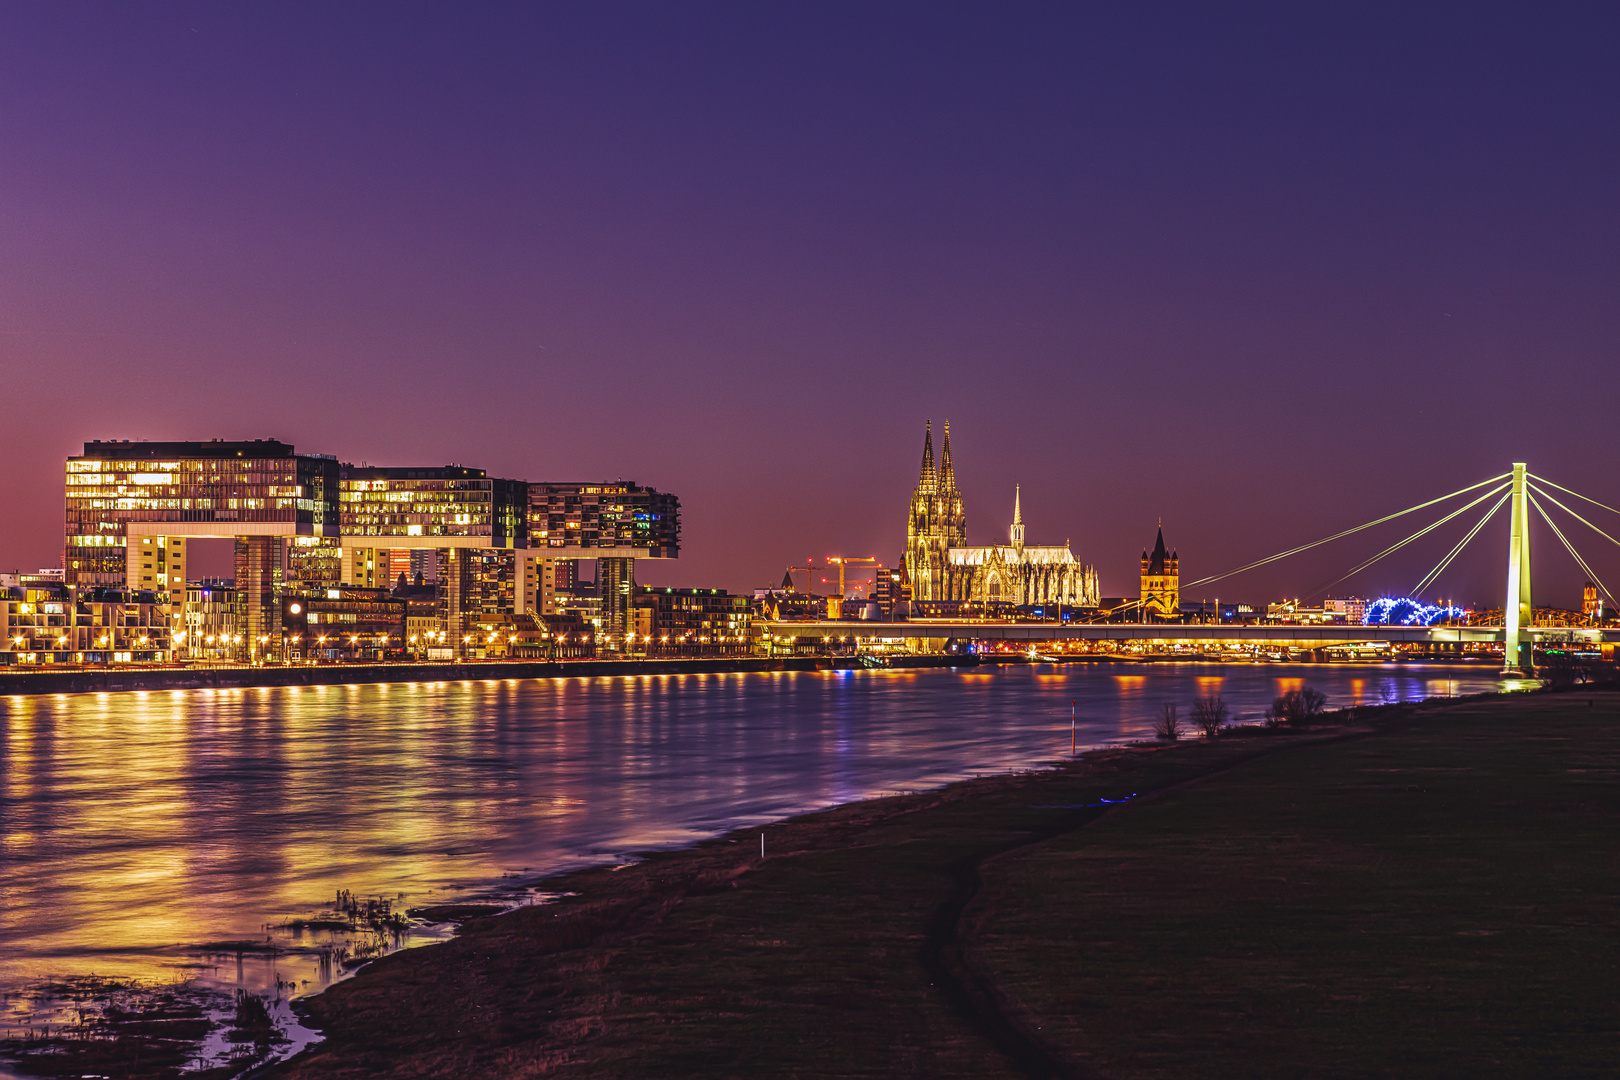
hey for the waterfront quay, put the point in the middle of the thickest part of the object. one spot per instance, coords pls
(121, 678)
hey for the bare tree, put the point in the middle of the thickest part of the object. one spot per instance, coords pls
(1297, 707)
(1168, 726)
(1209, 713)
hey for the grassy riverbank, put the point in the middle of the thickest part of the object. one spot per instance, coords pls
(1427, 891)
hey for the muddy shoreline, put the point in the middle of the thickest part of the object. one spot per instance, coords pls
(543, 989)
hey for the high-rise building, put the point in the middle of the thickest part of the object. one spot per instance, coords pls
(475, 522)
(313, 562)
(134, 507)
(615, 523)
(306, 523)
(1161, 582)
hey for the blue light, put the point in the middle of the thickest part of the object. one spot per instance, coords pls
(1406, 611)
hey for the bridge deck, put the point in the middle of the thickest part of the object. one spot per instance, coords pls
(1315, 636)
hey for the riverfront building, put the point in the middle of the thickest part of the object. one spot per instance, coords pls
(615, 523)
(304, 524)
(475, 523)
(345, 623)
(1161, 582)
(690, 622)
(52, 623)
(940, 566)
(132, 509)
(211, 625)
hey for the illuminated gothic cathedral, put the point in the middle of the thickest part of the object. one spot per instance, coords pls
(940, 565)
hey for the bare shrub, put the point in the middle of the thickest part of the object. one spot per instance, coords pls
(1297, 708)
(1209, 713)
(1563, 670)
(1168, 726)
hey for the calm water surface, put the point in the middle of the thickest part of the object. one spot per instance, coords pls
(137, 828)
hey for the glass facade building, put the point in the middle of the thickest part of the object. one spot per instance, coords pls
(232, 486)
(605, 515)
(306, 524)
(452, 501)
(614, 523)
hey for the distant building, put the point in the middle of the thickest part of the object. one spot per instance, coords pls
(49, 622)
(345, 623)
(569, 636)
(941, 567)
(1349, 608)
(1591, 603)
(422, 630)
(1161, 582)
(690, 622)
(312, 562)
(212, 624)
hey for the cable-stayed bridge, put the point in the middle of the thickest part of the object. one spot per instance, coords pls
(1519, 490)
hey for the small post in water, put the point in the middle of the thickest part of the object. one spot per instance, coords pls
(761, 847)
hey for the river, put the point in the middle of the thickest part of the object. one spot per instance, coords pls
(143, 833)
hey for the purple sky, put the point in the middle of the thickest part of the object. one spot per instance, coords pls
(1263, 275)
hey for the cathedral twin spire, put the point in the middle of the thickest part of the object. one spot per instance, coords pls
(941, 567)
(944, 479)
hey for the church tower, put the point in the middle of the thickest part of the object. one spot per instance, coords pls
(1016, 533)
(936, 522)
(1161, 582)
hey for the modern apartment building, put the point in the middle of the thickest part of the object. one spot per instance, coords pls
(614, 523)
(345, 623)
(53, 623)
(133, 508)
(689, 622)
(475, 523)
(306, 523)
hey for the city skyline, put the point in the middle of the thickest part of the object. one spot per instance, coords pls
(1262, 278)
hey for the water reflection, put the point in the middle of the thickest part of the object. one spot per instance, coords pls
(140, 831)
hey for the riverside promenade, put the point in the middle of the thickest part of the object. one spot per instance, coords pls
(93, 680)
(109, 679)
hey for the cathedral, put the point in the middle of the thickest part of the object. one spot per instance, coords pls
(940, 565)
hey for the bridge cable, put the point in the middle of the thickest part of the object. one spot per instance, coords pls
(1348, 532)
(1578, 495)
(1402, 543)
(1432, 575)
(1565, 540)
(1544, 494)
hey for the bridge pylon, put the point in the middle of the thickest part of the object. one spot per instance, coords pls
(1518, 616)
